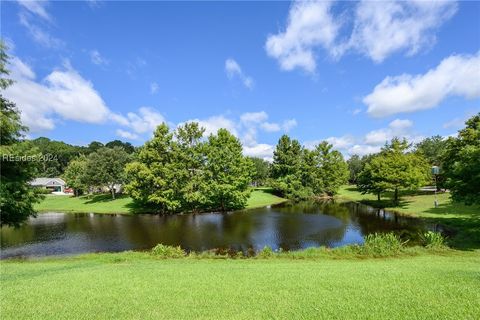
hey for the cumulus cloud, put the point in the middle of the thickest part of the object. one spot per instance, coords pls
(214, 123)
(310, 24)
(457, 75)
(372, 141)
(254, 117)
(126, 134)
(233, 70)
(144, 121)
(384, 27)
(260, 150)
(380, 28)
(63, 94)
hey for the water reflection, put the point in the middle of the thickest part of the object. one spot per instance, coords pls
(287, 226)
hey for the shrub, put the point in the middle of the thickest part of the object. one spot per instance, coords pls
(44, 191)
(381, 244)
(266, 253)
(163, 251)
(433, 240)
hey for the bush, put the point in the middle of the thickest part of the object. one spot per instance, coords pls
(44, 191)
(266, 253)
(433, 240)
(163, 251)
(382, 244)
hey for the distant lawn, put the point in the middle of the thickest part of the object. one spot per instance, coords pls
(138, 286)
(462, 219)
(262, 197)
(123, 204)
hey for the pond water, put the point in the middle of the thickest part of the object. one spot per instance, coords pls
(287, 226)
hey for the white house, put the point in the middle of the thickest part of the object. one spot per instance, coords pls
(54, 184)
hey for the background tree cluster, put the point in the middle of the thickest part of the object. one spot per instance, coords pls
(394, 169)
(181, 171)
(299, 173)
(61, 153)
(101, 169)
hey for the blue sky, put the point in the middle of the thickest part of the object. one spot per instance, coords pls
(354, 73)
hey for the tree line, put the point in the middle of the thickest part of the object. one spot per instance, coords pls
(403, 166)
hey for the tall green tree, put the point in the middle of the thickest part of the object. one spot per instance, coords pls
(150, 176)
(330, 168)
(432, 149)
(17, 169)
(262, 171)
(286, 169)
(75, 175)
(106, 168)
(395, 169)
(228, 172)
(461, 163)
(189, 160)
(355, 166)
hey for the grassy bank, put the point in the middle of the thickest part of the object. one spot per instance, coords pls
(123, 204)
(138, 285)
(463, 221)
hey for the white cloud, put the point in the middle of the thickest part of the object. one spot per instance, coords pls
(39, 35)
(261, 150)
(363, 150)
(254, 117)
(97, 58)
(397, 128)
(289, 124)
(400, 125)
(380, 28)
(457, 75)
(270, 127)
(233, 69)
(62, 94)
(356, 111)
(310, 24)
(36, 7)
(384, 27)
(145, 121)
(126, 134)
(154, 87)
(214, 123)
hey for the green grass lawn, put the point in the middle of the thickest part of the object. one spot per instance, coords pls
(139, 286)
(123, 204)
(462, 219)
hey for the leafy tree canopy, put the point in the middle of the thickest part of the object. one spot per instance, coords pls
(461, 163)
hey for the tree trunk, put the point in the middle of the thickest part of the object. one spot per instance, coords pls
(113, 192)
(395, 198)
(378, 196)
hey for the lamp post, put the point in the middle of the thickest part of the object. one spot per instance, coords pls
(435, 172)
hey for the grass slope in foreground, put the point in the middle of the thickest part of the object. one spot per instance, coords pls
(137, 285)
(463, 220)
(123, 204)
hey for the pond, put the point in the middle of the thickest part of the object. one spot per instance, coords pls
(287, 226)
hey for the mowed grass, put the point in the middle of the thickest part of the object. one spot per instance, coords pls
(261, 197)
(138, 286)
(123, 204)
(463, 220)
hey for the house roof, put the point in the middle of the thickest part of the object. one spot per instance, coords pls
(48, 182)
